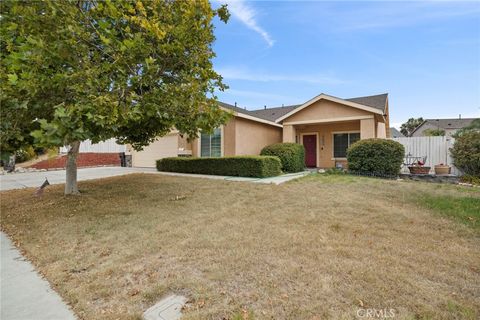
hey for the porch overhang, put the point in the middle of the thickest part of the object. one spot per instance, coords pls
(332, 99)
(327, 120)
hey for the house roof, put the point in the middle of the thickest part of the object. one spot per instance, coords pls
(394, 133)
(324, 96)
(455, 123)
(273, 114)
(247, 114)
(377, 102)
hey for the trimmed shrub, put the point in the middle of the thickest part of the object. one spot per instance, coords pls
(292, 155)
(240, 166)
(378, 157)
(466, 152)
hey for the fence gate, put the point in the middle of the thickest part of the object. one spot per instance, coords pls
(436, 149)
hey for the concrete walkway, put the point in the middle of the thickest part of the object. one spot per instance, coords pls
(275, 180)
(35, 179)
(24, 295)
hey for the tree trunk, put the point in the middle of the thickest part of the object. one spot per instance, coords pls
(71, 186)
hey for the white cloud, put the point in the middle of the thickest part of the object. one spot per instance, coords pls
(246, 14)
(234, 73)
(405, 14)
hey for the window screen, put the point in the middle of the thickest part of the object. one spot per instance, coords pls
(211, 144)
(340, 145)
(341, 142)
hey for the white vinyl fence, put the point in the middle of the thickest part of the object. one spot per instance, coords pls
(436, 149)
(107, 146)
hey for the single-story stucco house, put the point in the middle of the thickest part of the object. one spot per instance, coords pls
(325, 125)
(450, 126)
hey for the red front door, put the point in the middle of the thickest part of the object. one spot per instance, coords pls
(310, 144)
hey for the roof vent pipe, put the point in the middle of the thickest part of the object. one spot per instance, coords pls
(235, 103)
(460, 116)
(265, 107)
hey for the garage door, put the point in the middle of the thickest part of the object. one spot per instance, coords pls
(163, 147)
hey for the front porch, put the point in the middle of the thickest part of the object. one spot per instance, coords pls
(326, 143)
(327, 126)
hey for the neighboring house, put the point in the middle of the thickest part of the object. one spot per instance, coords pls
(449, 125)
(394, 133)
(325, 125)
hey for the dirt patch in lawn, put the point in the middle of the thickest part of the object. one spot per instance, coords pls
(317, 248)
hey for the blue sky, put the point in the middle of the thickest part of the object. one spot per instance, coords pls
(426, 55)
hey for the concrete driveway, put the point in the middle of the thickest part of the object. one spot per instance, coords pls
(35, 179)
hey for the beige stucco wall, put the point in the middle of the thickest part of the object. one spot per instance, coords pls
(323, 110)
(252, 136)
(325, 139)
(367, 128)
(288, 133)
(244, 137)
(183, 143)
(229, 138)
(381, 130)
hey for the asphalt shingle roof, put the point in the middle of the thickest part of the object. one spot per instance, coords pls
(450, 123)
(271, 114)
(377, 101)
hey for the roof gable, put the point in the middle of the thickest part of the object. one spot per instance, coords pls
(349, 103)
(378, 101)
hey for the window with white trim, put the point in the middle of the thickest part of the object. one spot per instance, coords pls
(211, 144)
(341, 142)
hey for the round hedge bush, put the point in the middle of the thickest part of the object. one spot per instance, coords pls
(292, 155)
(378, 157)
(466, 153)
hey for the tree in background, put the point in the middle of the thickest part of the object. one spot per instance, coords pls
(408, 127)
(474, 126)
(124, 69)
(434, 132)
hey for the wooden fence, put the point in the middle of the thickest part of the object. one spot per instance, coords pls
(436, 149)
(107, 146)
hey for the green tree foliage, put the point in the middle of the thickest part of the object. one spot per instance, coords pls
(466, 152)
(474, 126)
(407, 128)
(434, 132)
(132, 70)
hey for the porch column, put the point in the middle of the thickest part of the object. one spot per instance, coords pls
(367, 128)
(381, 130)
(288, 133)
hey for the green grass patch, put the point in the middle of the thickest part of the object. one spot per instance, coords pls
(463, 209)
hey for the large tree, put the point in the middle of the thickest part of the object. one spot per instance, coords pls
(408, 127)
(86, 69)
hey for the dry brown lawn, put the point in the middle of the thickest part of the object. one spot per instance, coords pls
(317, 248)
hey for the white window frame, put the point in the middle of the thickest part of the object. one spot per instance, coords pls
(199, 143)
(333, 142)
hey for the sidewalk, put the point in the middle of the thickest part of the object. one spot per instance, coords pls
(35, 179)
(270, 180)
(24, 295)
